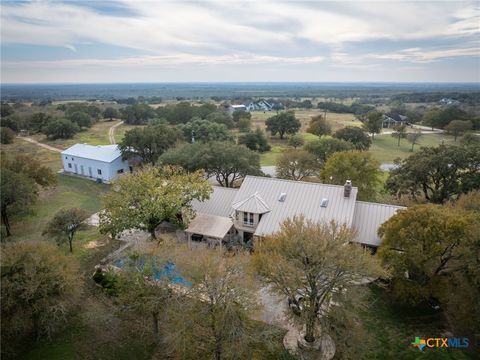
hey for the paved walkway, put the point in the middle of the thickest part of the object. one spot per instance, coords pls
(111, 132)
(45, 146)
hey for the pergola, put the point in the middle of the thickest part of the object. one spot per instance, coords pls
(213, 228)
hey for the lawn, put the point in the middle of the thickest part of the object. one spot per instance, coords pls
(69, 192)
(385, 150)
(391, 329)
(45, 157)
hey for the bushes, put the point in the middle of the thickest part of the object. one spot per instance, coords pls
(6, 135)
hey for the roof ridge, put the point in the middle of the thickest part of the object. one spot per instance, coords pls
(296, 181)
(377, 203)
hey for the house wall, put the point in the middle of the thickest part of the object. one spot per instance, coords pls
(239, 225)
(89, 168)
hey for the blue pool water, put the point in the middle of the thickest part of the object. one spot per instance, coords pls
(158, 272)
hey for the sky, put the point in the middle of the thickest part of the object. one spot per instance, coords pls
(239, 41)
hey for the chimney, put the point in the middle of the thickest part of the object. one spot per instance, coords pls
(347, 189)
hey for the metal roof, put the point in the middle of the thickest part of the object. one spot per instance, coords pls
(302, 198)
(253, 204)
(104, 153)
(367, 219)
(210, 225)
(219, 203)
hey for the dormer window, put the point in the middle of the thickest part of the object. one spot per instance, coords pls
(248, 219)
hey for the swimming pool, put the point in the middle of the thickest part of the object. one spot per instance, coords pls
(157, 271)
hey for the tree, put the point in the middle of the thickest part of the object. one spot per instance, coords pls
(296, 165)
(413, 138)
(296, 141)
(283, 123)
(357, 166)
(137, 114)
(326, 146)
(110, 113)
(437, 174)
(226, 161)
(458, 127)
(221, 117)
(319, 126)
(39, 283)
(30, 167)
(65, 224)
(238, 115)
(17, 191)
(312, 264)
(217, 326)
(148, 197)
(440, 118)
(83, 120)
(204, 131)
(244, 124)
(60, 129)
(148, 143)
(141, 292)
(399, 132)
(255, 140)
(38, 121)
(469, 139)
(6, 110)
(356, 135)
(421, 245)
(7, 135)
(373, 122)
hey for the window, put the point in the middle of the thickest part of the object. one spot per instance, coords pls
(120, 171)
(70, 165)
(73, 159)
(99, 172)
(248, 219)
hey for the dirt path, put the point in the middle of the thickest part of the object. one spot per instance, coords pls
(111, 132)
(45, 146)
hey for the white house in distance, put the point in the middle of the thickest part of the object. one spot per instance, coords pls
(261, 204)
(101, 162)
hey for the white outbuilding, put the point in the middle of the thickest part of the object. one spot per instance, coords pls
(100, 162)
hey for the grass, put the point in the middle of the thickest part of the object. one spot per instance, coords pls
(69, 192)
(392, 328)
(385, 150)
(44, 156)
(122, 129)
(96, 135)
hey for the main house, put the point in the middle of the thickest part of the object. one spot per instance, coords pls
(261, 204)
(99, 162)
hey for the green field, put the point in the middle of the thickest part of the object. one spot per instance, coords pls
(385, 149)
(96, 135)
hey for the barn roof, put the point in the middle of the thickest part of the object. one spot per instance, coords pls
(104, 153)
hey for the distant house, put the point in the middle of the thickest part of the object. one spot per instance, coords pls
(101, 162)
(233, 108)
(261, 204)
(392, 119)
(449, 102)
(261, 105)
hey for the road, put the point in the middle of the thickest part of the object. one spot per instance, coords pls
(423, 130)
(45, 146)
(111, 132)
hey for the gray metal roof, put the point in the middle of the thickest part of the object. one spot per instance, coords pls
(104, 153)
(367, 219)
(253, 204)
(302, 198)
(219, 203)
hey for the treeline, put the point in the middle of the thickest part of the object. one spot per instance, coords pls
(469, 98)
(62, 122)
(442, 117)
(355, 108)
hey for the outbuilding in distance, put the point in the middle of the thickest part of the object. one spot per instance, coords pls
(100, 162)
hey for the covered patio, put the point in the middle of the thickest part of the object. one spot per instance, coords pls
(209, 230)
